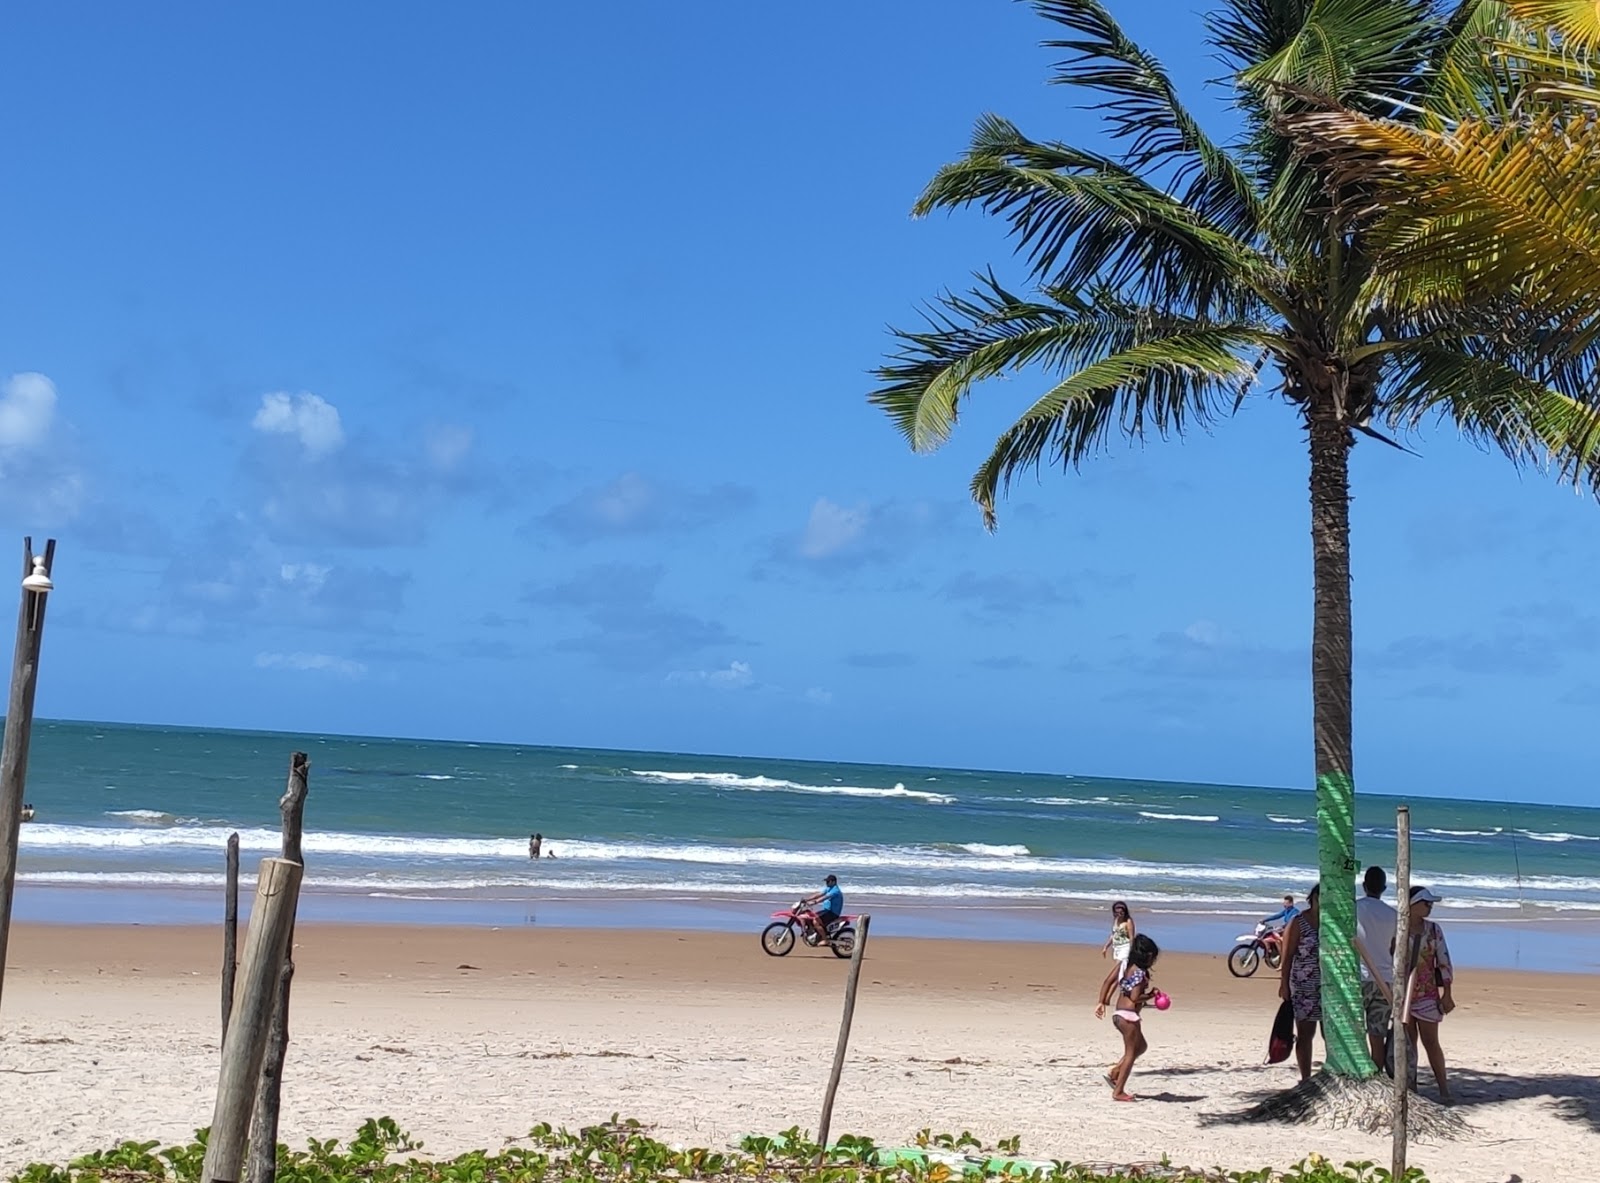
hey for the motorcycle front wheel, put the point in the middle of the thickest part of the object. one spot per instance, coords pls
(777, 939)
(1244, 961)
(844, 942)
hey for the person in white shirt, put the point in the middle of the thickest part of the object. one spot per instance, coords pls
(1375, 925)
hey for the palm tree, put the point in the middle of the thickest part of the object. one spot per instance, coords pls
(1165, 280)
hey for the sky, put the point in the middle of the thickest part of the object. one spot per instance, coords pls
(499, 372)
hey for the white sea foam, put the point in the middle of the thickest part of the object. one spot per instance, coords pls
(1558, 836)
(434, 776)
(994, 851)
(1051, 800)
(767, 784)
(1179, 817)
(570, 767)
(1466, 833)
(151, 816)
(1286, 821)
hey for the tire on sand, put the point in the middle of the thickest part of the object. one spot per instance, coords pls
(1244, 960)
(777, 939)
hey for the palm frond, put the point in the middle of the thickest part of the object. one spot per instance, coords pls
(1499, 407)
(1145, 114)
(1349, 50)
(989, 331)
(1080, 218)
(1576, 23)
(1159, 385)
(1474, 215)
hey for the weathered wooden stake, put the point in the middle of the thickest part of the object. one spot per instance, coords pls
(269, 1089)
(844, 1032)
(230, 930)
(19, 729)
(1400, 1007)
(265, 946)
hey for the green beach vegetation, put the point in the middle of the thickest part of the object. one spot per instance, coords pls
(1167, 282)
(620, 1151)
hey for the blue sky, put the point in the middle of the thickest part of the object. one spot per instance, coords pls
(499, 372)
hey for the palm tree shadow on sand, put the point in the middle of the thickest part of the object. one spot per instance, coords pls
(1570, 1096)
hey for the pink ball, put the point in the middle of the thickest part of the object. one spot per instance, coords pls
(1161, 1001)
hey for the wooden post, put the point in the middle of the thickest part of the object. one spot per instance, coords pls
(1400, 1006)
(265, 946)
(18, 731)
(844, 1032)
(230, 929)
(269, 1089)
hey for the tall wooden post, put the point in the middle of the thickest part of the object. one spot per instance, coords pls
(1400, 1006)
(844, 1032)
(19, 729)
(269, 1089)
(230, 929)
(271, 918)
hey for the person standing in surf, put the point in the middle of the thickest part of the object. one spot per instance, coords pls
(1118, 943)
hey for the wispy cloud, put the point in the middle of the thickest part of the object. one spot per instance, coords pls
(1008, 594)
(736, 675)
(321, 663)
(843, 537)
(629, 626)
(633, 505)
(891, 660)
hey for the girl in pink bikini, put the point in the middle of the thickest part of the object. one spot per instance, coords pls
(1132, 992)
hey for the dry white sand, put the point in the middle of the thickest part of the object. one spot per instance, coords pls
(109, 1034)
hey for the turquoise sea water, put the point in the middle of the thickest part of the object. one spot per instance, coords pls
(426, 830)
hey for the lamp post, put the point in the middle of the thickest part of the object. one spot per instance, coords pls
(36, 586)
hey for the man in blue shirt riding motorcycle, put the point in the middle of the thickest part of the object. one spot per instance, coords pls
(828, 904)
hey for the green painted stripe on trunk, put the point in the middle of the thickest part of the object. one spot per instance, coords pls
(1344, 1024)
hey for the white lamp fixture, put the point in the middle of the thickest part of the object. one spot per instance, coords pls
(39, 581)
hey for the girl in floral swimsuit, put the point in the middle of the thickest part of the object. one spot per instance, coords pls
(1132, 992)
(1300, 980)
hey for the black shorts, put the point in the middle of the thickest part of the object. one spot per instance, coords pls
(827, 919)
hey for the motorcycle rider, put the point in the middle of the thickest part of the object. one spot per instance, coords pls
(828, 906)
(1279, 921)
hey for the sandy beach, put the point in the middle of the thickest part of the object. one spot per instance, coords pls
(468, 1036)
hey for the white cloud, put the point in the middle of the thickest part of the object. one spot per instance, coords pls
(310, 576)
(737, 676)
(314, 662)
(817, 696)
(1206, 633)
(27, 408)
(831, 528)
(447, 446)
(311, 418)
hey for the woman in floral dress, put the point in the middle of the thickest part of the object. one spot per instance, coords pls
(1433, 977)
(1300, 978)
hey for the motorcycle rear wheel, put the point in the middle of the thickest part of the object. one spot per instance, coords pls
(1243, 961)
(777, 939)
(844, 942)
(1274, 957)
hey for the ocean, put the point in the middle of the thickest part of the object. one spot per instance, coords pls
(131, 824)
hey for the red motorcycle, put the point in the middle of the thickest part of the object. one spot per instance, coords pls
(778, 938)
(1250, 950)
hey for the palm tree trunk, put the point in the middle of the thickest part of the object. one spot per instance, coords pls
(1344, 1024)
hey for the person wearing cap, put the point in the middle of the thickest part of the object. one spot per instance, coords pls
(829, 904)
(1432, 977)
(1375, 923)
